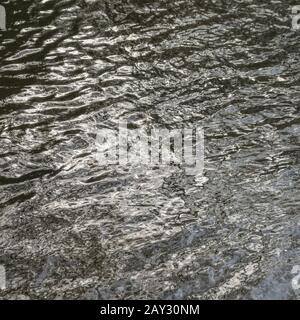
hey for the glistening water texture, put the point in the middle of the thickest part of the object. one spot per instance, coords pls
(71, 228)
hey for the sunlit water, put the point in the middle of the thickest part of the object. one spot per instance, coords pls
(71, 228)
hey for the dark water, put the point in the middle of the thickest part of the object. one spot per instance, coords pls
(73, 229)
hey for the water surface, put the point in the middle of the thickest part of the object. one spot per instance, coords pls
(73, 229)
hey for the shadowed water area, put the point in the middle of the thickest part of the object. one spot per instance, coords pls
(71, 228)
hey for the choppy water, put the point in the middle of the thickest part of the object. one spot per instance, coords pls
(73, 229)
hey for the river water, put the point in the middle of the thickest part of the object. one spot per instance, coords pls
(71, 228)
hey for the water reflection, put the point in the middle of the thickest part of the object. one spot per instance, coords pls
(71, 229)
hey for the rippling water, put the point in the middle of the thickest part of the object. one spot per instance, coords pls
(73, 229)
